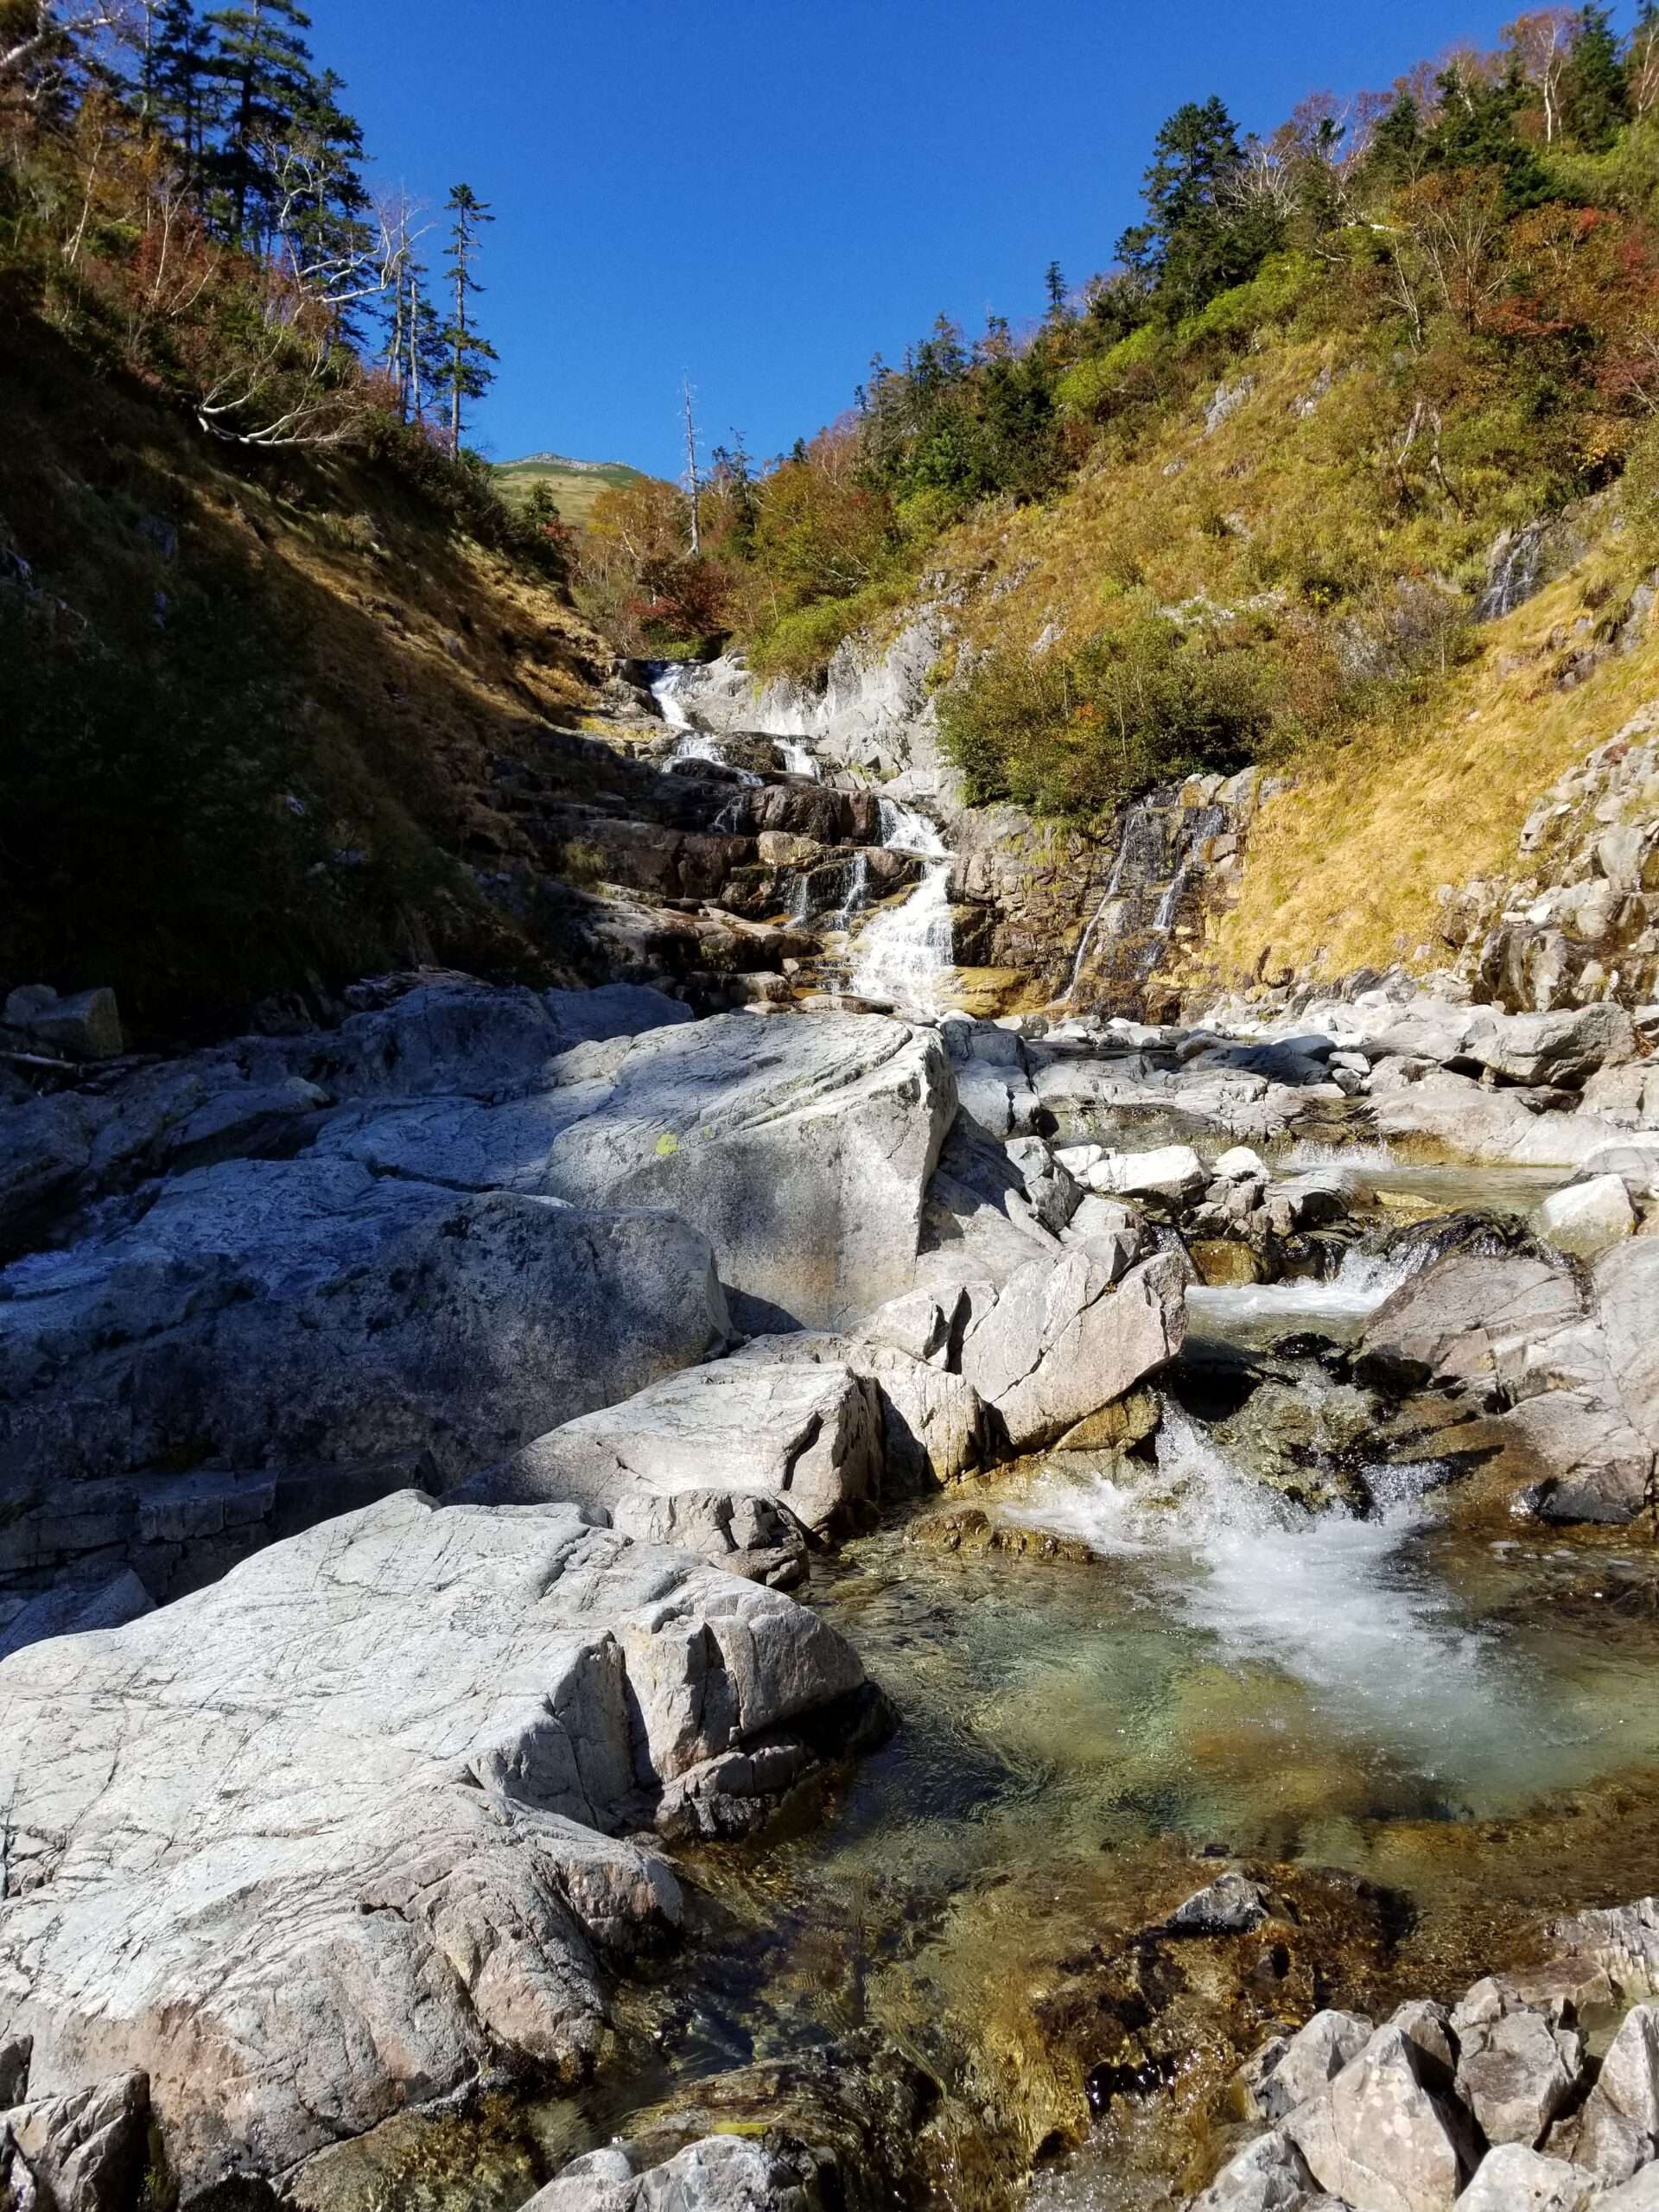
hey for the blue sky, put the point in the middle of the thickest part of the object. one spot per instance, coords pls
(763, 192)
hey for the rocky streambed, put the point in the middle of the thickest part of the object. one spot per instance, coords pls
(832, 1608)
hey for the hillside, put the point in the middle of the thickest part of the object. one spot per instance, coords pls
(573, 485)
(262, 701)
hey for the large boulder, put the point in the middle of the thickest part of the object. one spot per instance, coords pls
(1618, 2128)
(1586, 1218)
(1448, 1323)
(722, 2173)
(265, 1312)
(85, 2152)
(1387, 2136)
(1513, 2178)
(1517, 2068)
(1269, 2175)
(1066, 1337)
(84, 1027)
(1563, 1048)
(801, 1148)
(711, 1459)
(341, 1833)
(935, 1428)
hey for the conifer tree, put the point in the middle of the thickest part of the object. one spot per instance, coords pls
(263, 65)
(467, 374)
(1595, 96)
(180, 91)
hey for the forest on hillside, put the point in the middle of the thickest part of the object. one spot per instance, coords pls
(1468, 258)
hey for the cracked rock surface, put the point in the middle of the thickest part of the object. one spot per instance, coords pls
(349, 1828)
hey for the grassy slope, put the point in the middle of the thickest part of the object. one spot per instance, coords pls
(408, 657)
(1341, 872)
(574, 487)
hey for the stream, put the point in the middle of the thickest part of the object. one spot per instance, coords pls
(1156, 1656)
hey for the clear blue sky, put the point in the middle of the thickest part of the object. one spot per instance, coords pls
(763, 192)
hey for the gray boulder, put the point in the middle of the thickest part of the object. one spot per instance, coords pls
(264, 1313)
(1449, 1323)
(935, 1426)
(672, 1462)
(1563, 1048)
(1384, 2137)
(1065, 1338)
(86, 1026)
(1618, 2129)
(1639, 2194)
(801, 1148)
(1230, 1905)
(1312, 2059)
(1622, 1940)
(342, 1833)
(1269, 2175)
(1592, 1464)
(1513, 2178)
(1586, 1218)
(84, 2151)
(1517, 2070)
(722, 2173)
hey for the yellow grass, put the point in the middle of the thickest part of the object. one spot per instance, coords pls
(1342, 870)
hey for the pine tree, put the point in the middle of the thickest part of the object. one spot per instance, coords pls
(1595, 97)
(180, 91)
(263, 64)
(1191, 244)
(466, 373)
(1054, 288)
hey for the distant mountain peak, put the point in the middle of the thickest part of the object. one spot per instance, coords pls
(564, 460)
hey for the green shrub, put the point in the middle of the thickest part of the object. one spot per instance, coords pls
(1126, 370)
(1077, 733)
(1272, 295)
(1638, 495)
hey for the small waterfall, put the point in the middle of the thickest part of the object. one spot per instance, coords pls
(799, 761)
(665, 688)
(854, 895)
(902, 954)
(1513, 573)
(1087, 938)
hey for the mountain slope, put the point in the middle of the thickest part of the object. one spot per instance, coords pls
(574, 484)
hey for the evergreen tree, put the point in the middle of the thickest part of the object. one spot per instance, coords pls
(466, 374)
(1476, 130)
(263, 65)
(1398, 146)
(1194, 244)
(1595, 97)
(1054, 288)
(179, 90)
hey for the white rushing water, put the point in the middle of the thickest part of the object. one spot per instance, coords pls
(799, 761)
(1337, 1306)
(903, 952)
(1324, 1598)
(665, 689)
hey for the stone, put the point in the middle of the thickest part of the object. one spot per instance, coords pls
(1588, 1218)
(1592, 1465)
(1269, 2175)
(45, 1150)
(677, 1458)
(801, 1148)
(935, 1428)
(74, 1608)
(1513, 2178)
(1639, 2194)
(1624, 1284)
(83, 2152)
(1230, 1905)
(1173, 1172)
(1054, 1193)
(1241, 1165)
(1618, 2130)
(381, 1773)
(1622, 1940)
(1517, 2073)
(1564, 1048)
(1312, 2059)
(722, 2173)
(1065, 1339)
(1381, 2137)
(1445, 1324)
(84, 1027)
(264, 1313)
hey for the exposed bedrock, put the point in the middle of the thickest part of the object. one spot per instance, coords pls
(345, 1831)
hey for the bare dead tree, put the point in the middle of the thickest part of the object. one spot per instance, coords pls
(693, 483)
(54, 23)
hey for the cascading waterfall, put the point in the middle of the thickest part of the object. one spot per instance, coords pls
(694, 744)
(904, 951)
(799, 761)
(1113, 887)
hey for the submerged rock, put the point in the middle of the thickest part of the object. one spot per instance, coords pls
(342, 1833)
